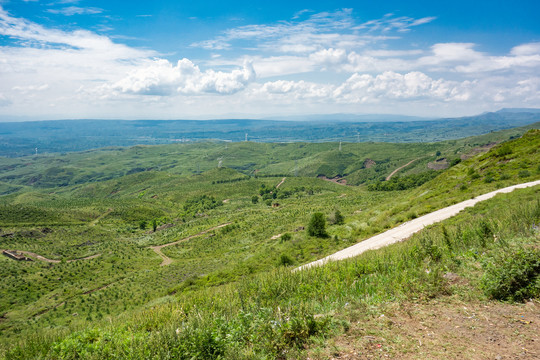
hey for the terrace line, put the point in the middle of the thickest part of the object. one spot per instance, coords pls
(408, 228)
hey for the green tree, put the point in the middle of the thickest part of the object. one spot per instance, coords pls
(317, 225)
(142, 224)
(154, 225)
(337, 218)
(254, 199)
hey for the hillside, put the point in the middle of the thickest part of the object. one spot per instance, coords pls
(357, 163)
(100, 289)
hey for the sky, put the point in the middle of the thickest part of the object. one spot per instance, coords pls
(176, 59)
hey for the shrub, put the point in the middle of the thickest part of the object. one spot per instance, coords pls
(286, 237)
(336, 218)
(285, 260)
(142, 224)
(254, 199)
(524, 174)
(513, 276)
(317, 225)
(504, 150)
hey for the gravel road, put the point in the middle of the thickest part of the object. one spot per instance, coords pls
(408, 228)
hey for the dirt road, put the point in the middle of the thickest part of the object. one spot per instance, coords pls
(399, 168)
(282, 181)
(52, 261)
(93, 223)
(408, 228)
(167, 260)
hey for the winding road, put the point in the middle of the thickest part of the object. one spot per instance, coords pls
(167, 260)
(408, 228)
(399, 168)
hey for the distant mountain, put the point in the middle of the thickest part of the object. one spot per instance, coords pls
(519, 110)
(22, 138)
(350, 117)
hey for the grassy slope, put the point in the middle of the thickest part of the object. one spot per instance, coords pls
(246, 248)
(274, 314)
(49, 171)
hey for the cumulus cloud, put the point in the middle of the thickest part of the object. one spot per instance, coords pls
(390, 85)
(366, 88)
(160, 77)
(298, 89)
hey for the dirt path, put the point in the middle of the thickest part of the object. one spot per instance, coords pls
(408, 228)
(399, 168)
(52, 261)
(167, 260)
(93, 223)
(282, 181)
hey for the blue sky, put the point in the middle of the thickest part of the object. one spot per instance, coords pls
(213, 59)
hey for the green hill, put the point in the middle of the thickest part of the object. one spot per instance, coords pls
(232, 236)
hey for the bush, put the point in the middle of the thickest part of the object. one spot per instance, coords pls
(285, 260)
(254, 199)
(317, 225)
(513, 276)
(336, 218)
(142, 224)
(524, 174)
(504, 150)
(286, 237)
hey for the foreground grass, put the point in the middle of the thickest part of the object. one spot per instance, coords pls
(278, 314)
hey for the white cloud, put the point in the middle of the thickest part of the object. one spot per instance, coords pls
(320, 30)
(75, 10)
(391, 23)
(281, 65)
(160, 77)
(364, 88)
(394, 86)
(31, 88)
(329, 56)
(298, 89)
(36, 36)
(526, 49)
(317, 62)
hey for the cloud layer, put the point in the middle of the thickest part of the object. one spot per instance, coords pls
(314, 62)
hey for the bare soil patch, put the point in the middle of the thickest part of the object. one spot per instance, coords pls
(338, 180)
(369, 163)
(447, 329)
(439, 164)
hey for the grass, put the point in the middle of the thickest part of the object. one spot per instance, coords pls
(231, 291)
(274, 315)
